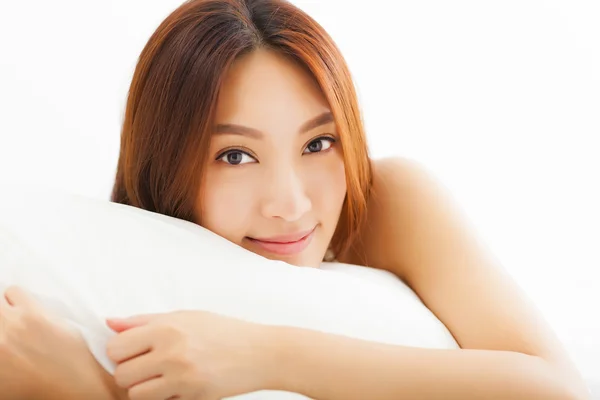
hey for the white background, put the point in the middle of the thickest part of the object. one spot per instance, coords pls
(501, 100)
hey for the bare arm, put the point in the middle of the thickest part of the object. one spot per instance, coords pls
(42, 359)
(416, 231)
(325, 366)
(99, 385)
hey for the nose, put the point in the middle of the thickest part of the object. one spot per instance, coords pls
(285, 195)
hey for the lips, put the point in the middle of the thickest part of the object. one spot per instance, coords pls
(294, 237)
(284, 244)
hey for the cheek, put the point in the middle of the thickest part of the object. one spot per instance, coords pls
(329, 188)
(225, 206)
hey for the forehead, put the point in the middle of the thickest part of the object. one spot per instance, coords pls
(269, 92)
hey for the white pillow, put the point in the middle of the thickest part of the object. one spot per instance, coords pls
(88, 259)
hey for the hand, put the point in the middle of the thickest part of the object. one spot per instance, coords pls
(189, 355)
(42, 359)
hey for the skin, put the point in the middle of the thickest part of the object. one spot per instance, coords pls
(35, 347)
(282, 179)
(413, 230)
(279, 188)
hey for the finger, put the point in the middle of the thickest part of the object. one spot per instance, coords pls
(4, 302)
(122, 324)
(131, 343)
(19, 297)
(154, 389)
(5, 308)
(138, 370)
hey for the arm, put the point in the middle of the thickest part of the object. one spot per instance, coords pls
(325, 366)
(42, 359)
(415, 231)
(93, 382)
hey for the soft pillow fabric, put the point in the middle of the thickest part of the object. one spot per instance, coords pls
(88, 259)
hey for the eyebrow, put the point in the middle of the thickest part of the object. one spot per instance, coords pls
(309, 125)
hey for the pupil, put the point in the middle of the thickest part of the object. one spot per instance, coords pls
(315, 146)
(234, 158)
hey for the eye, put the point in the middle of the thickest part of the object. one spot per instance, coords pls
(319, 144)
(236, 157)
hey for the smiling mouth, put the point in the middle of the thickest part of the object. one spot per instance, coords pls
(285, 245)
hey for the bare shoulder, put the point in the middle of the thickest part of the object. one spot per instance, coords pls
(400, 188)
(416, 229)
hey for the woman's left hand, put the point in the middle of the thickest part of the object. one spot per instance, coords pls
(190, 355)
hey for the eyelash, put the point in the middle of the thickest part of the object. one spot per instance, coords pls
(246, 151)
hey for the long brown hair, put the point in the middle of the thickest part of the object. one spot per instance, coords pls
(170, 107)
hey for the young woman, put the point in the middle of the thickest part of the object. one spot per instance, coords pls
(242, 117)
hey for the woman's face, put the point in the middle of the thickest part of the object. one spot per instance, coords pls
(275, 181)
